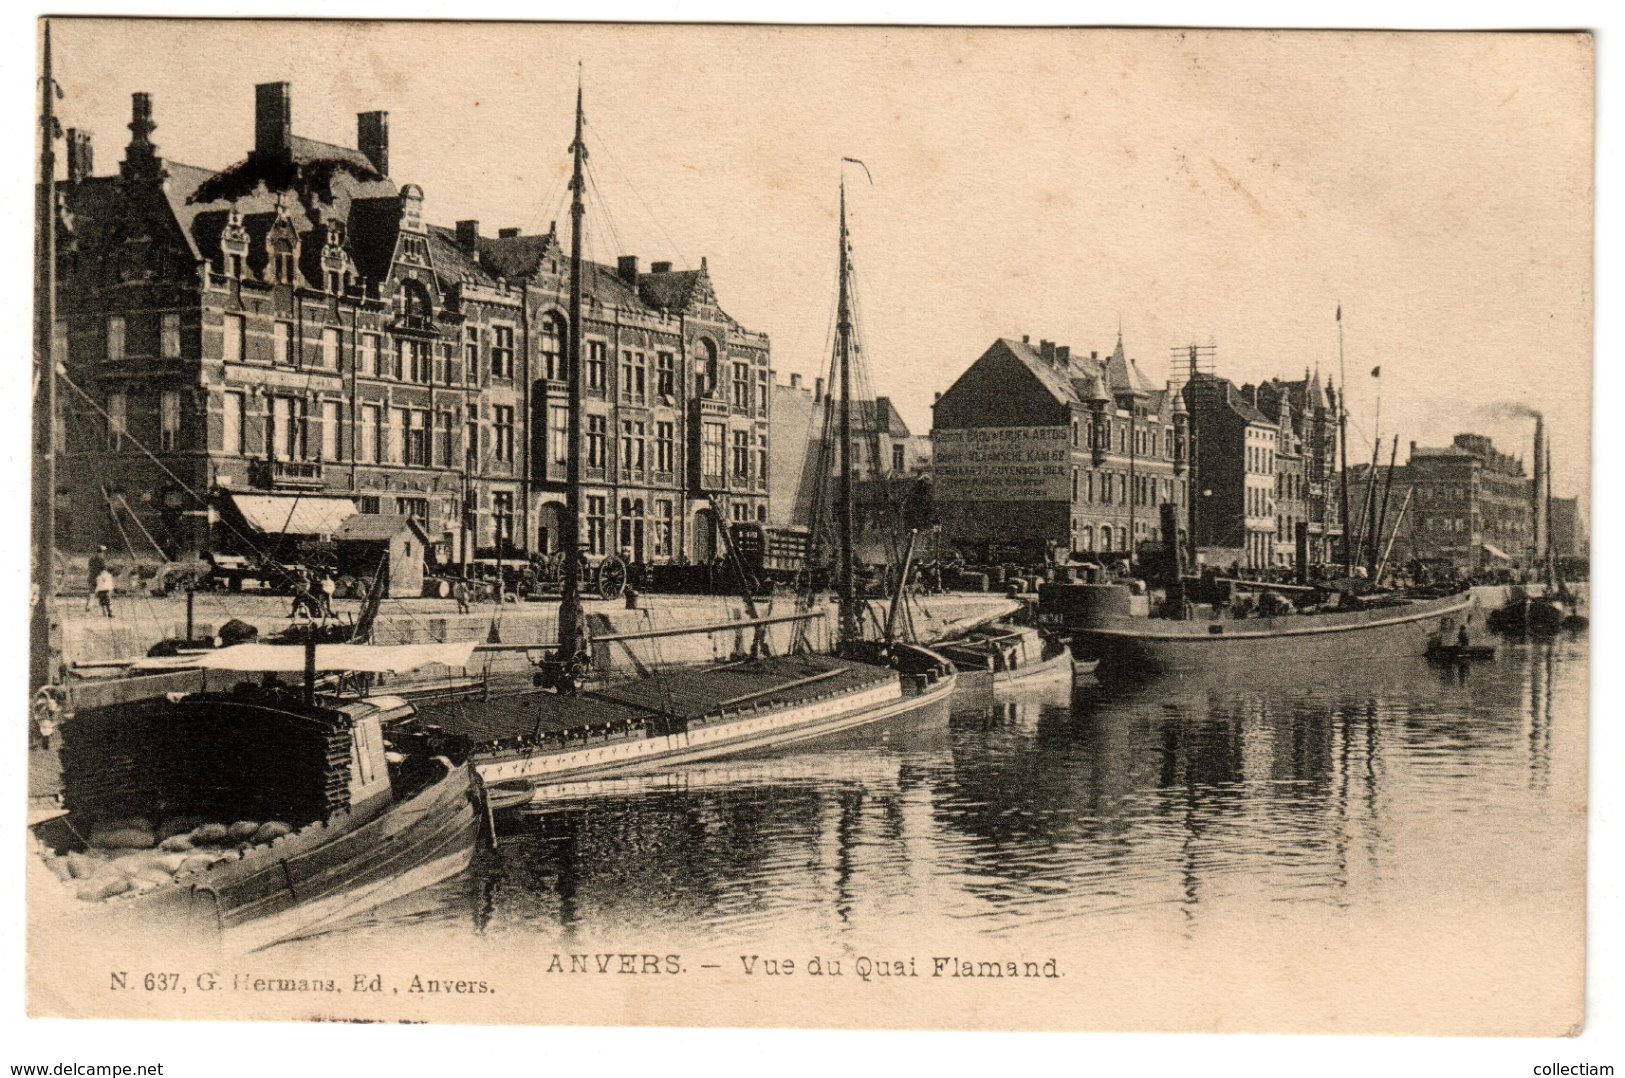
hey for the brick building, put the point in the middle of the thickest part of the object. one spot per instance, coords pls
(294, 326)
(1041, 448)
(1306, 482)
(1236, 450)
(1472, 504)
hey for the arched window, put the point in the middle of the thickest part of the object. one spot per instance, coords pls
(1088, 537)
(1106, 537)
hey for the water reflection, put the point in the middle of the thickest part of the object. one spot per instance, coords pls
(1172, 804)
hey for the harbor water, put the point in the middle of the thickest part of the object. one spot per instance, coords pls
(1375, 826)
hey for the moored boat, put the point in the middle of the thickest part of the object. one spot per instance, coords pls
(244, 818)
(1009, 654)
(1104, 626)
(572, 726)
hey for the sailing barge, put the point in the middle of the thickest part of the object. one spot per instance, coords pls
(570, 728)
(245, 818)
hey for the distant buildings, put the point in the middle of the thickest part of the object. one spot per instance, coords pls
(1472, 506)
(1568, 531)
(890, 467)
(295, 327)
(1038, 450)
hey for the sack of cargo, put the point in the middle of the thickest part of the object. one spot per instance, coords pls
(243, 830)
(176, 844)
(272, 829)
(96, 890)
(125, 838)
(210, 834)
(178, 825)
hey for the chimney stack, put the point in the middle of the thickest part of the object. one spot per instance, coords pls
(468, 236)
(508, 233)
(626, 267)
(80, 160)
(1047, 350)
(140, 156)
(818, 389)
(795, 381)
(273, 119)
(660, 267)
(372, 139)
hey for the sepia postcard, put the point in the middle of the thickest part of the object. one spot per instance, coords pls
(789, 526)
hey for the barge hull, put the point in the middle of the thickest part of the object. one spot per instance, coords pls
(1135, 644)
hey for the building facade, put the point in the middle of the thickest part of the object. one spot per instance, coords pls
(1237, 447)
(295, 326)
(1306, 487)
(1472, 505)
(1039, 449)
(891, 492)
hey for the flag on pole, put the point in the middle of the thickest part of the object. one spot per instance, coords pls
(1376, 372)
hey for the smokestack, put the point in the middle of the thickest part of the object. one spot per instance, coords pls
(626, 268)
(372, 139)
(273, 119)
(468, 236)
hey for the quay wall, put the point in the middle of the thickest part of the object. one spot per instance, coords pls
(140, 622)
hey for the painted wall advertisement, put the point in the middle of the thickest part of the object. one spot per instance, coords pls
(1001, 463)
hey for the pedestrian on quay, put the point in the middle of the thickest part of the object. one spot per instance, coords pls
(104, 590)
(327, 587)
(459, 591)
(98, 562)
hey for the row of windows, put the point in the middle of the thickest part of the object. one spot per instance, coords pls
(427, 361)
(169, 338)
(381, 435)
(1146, 442)
(1104, 540)
(1260, 460)
(1114, 488)
(118, 409)
(1259, 502)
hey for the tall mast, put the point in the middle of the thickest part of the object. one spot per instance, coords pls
(42, 616)
(1343, 442)
(571, 642)
(843, 509)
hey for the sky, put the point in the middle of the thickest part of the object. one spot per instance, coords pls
(1231, 188)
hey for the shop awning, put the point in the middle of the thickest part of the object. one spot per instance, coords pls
(1496, 552)
(287, 514)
